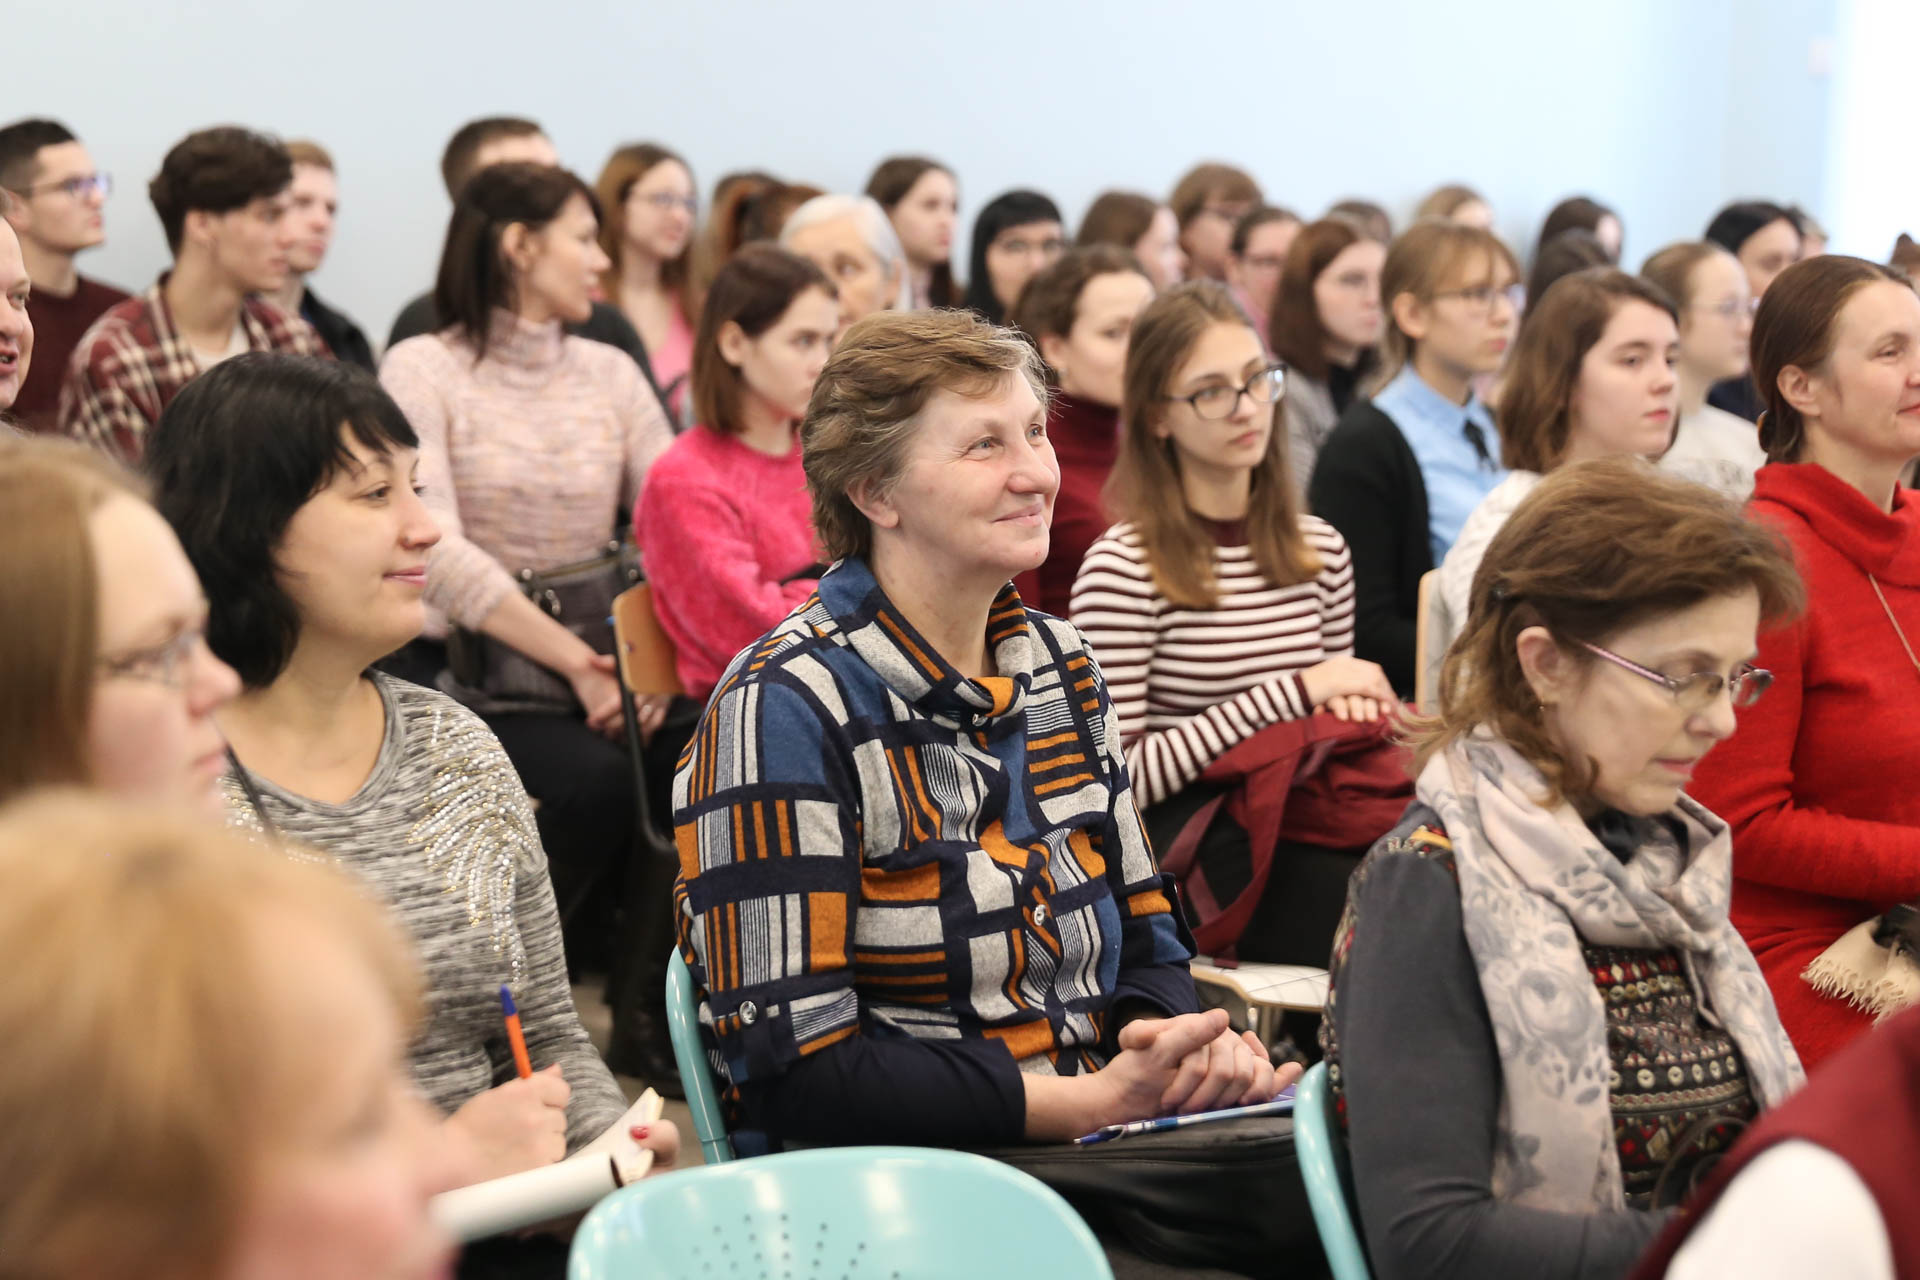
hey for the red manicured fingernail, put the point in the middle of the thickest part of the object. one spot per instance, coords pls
(640, 1131)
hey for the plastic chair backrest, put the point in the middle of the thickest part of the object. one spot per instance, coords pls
(1323, 1167)
(834, 1213)
(645, 652)
(696, 1074)
(1433, 631)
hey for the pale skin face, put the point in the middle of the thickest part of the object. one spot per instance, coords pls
(1347, 296)
(1644, 744)
(1159, 250)
(1091, 360)
(925, 218)
(1020, 253)
(1716, 324)
(1257, 271)
(1862, 403)
(1467, 326)
(354, 559)
(1628, 391)
(343, 1187)
(781, 365)
(249, 246)
(315, 200)
(974, 501)
(150, 730)
(1208, 238)
(1768, 252)
(1226, 355)
(57, 220)
(660, 211)
(865, 282)
(16, 324)
(557, 268)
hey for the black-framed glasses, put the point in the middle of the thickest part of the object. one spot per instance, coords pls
(1697, 692)
(1218, 402)
(164, 663)
(79, 188)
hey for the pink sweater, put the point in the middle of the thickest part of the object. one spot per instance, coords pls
(527, 457)
(721, 526)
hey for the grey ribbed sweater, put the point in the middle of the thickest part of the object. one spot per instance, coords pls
(442, 831)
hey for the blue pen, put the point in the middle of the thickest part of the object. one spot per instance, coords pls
(1281, 1105)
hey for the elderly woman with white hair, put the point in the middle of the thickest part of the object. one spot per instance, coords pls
(851, 239)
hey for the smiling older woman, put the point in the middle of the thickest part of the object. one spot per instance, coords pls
(918, 900)
(1542, 1018)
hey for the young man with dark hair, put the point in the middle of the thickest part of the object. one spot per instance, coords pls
(314, 200)
(222, 199)
(55, 211)
(493, 140)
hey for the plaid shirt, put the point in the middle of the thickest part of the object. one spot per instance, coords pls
(872, 843)
(133, 361)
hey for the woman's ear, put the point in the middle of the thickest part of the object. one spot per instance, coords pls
(1409, 315)
(878, 508)
(1797, 385)
(1053, 349)
(1550, 670)
(516, 245)
(732, 342)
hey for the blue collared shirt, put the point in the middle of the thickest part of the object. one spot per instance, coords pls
(1456, 476)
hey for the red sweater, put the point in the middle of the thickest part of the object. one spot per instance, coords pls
(722, 528)
(1086, 440)
(1822, 781)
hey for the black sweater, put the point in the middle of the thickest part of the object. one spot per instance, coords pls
(1367, 485)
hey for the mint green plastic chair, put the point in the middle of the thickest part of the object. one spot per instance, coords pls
(696, 1074)
(842, 1213)
(1323, 1167)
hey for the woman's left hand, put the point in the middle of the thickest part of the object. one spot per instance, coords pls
(1231, 1070)
(650, 710)
(662, 1137)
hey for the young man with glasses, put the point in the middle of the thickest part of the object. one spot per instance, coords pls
(53, 198)
(222, 197)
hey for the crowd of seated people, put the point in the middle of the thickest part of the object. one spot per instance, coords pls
(1039, 629)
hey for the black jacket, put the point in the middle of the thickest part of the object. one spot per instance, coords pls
(1368, 485)
(342, 336)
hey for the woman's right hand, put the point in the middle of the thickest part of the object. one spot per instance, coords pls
(1154, 1073)
(1351, 688)
(517, 1126)
(596, 683)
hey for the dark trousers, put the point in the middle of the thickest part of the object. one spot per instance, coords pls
(587, 815)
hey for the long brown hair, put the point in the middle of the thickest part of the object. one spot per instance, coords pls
(49, 595)
(1145, 485)
(889, 185)
(625, 167)
(1295, 330)
(1596, 548)
(1536, 398)
(1794, 328)
(753, 290)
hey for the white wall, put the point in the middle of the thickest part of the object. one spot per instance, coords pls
(1648, 104)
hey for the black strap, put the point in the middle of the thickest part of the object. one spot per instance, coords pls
(1478, 439)
(253, 794)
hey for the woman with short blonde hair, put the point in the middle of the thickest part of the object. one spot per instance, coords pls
(166, 1111)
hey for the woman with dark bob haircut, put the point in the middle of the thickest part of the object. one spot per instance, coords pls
(1541, 1020)
(293, 485)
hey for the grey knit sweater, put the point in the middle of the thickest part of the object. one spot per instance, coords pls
(442, 831)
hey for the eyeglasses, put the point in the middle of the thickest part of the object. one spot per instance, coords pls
(667, 202)
(1481, 296)
(1218, 403)
(77, 188)
(1229, 212)
(1697, 692)
(1052, 247)
(164, 663)
(1731, 308)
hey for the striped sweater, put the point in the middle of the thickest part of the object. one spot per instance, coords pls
(1188, 685)
(874, 845)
